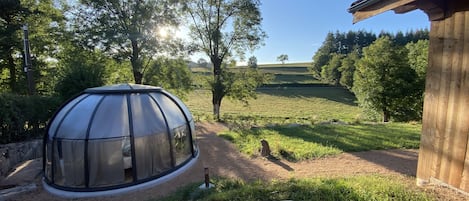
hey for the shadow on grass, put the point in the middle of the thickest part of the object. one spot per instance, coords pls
(337, 94)
(353, 138)
(360, 138)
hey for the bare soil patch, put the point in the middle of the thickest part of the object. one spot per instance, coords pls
(223, 159)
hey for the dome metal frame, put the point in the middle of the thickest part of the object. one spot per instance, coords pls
(123, 90)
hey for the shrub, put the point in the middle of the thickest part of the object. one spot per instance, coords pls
(24, 117)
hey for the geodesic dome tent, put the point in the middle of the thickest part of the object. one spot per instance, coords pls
(117, 136)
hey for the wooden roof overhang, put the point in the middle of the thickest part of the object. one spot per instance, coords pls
(435, 9)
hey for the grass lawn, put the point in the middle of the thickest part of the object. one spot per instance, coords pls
(294, 79)
(277, 109)
(282, 105)
(351, 188)
(315, 141)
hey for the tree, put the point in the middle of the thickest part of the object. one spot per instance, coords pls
(347, 69)
(127, 29)
(282, 58)
(241, 84)
(171, 74)
(383, 81)
(80, 69)
(339, 43)
(252, 62)
(322, 55)
(418, 61)
(12, 15)
(330, 72)
(220, 29)
(418, 57)
(45, 23)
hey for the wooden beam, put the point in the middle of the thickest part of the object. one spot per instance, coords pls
(435, 9)
(406, 8)
(379, 7)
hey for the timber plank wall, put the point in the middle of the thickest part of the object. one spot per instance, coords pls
(444, 150)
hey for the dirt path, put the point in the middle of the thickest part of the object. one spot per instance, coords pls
(222, 158)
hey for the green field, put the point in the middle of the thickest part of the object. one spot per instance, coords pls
(304, 123)
(296, 143)
(283, 105)
(291, 73)
(327, 120)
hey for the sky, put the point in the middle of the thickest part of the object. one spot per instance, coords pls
(298, 27)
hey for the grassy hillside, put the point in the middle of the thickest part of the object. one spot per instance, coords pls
(291, 73)
(283, 105)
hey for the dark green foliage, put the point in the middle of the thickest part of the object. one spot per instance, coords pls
(24, 117)
(330, 72)
(336, 61)
(171, 74)
(418, 61)
(347, 69)
(339, 43)
(384, 82)
(402, 39)
(322, 56)
(12, 15)
(418, 57)
(354, 41)
(80, 69)
(45, 26)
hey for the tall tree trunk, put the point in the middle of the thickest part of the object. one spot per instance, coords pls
(136, 63)
(12, 68)
(217, 87)
(138, 76)
(386, 115)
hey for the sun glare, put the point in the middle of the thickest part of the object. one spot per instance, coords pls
(168, 32)
(164, 32)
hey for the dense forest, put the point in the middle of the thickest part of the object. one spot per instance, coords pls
(386, 71)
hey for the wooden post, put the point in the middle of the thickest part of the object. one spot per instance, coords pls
(207, 178)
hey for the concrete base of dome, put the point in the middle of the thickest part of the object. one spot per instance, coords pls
(113, 192)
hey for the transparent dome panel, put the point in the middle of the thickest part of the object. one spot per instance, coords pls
(111, 118)
(173, 113)
(153, 155)
(61, 114)
(75, 124)
(69, 163)
(182, 144)
(146, 116)
(106, 162)
(183, 106)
